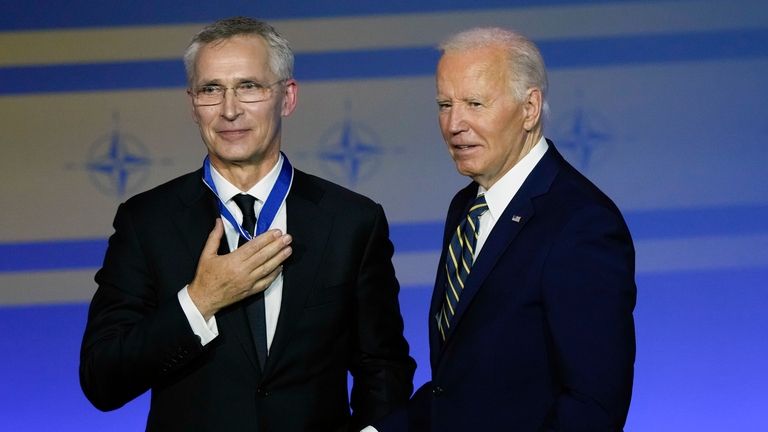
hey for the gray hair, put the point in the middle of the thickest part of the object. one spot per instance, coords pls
(526, 65)
(280, 53)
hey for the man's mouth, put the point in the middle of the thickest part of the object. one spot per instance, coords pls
(464, 147)
(232, 133)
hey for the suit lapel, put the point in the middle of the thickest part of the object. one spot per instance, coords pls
(459, 207)
(518, 213)
(195, 220)
(310, 227)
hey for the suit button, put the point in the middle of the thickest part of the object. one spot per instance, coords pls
(437, 391)
(262, 392)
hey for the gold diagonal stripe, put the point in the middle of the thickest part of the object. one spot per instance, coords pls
(471, 222)
(446, 320)
(458, 235)
(466, 267)
(453, 290)
(450, 283)
(455, 251)
(469, 246)
(441, 323)
(465, 238)
(477, 206)
(453, 256)
(448, 302)
(456, 265)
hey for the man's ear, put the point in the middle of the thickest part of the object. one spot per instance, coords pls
(532, 106)
(290, 97)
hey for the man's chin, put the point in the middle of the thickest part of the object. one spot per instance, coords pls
(465, 170)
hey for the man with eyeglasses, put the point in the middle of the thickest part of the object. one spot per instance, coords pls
(242, 294)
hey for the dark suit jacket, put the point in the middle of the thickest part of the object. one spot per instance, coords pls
(339, 313)
(543, 337)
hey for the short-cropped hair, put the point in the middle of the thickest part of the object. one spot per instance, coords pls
(280, 53)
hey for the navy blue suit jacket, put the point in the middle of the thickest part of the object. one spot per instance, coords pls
(543, 336)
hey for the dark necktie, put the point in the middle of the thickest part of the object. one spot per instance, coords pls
(254, 304)
(459, 258)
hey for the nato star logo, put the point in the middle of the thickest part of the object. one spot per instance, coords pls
(350, 151)
(118, 163)
(582, 137)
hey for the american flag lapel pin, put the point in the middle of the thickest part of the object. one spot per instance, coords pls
(516, 218)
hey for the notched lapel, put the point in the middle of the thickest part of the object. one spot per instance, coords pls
(502, 235)
(459, 207)
(196, 218)
(519, 212)
(310, 227)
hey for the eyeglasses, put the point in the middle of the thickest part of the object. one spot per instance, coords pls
(246, 92)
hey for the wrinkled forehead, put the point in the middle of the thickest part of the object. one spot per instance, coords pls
(246, 45)
(242, 56)
(483, 67)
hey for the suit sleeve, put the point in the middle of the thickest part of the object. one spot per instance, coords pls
(134, 338)
(382, 369)
(589, 294)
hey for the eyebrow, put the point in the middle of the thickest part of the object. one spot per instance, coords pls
(467, 98)
(237, 80)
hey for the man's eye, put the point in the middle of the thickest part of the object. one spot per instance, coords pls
(249, 85)
(209, 90)
(474, 104)
(442, 106)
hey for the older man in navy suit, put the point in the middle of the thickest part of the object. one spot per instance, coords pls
(530, 324)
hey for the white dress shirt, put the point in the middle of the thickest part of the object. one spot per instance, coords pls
(273, 295)
(502, 192)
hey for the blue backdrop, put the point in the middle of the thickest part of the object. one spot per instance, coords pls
(662, 103)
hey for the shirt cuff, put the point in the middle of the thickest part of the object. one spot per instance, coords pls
(369, 429)
(206, 331)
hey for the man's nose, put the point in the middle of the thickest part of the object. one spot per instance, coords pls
(230, 106)
(456, 120)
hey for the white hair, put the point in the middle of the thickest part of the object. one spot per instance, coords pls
(526, 65)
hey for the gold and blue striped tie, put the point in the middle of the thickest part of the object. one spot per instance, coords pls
(458, 261)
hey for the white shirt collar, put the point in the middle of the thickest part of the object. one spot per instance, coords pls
(260, 190)
(501, 193)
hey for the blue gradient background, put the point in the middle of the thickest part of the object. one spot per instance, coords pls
(701, 325)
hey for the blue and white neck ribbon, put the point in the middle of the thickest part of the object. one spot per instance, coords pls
(270, 208)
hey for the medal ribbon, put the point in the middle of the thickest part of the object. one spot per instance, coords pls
(269, 209)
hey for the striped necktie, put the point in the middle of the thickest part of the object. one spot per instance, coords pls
(458, 261)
